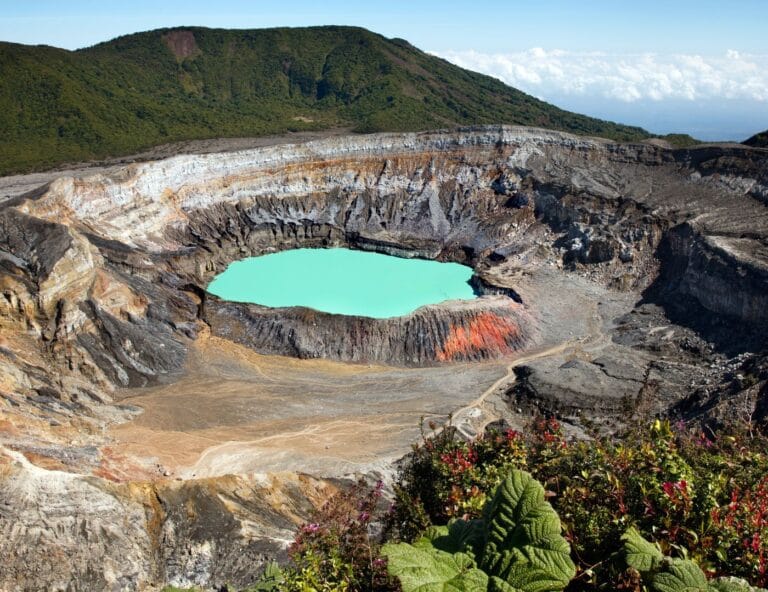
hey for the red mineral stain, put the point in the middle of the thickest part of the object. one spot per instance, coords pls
(486, 333)
(118, 468)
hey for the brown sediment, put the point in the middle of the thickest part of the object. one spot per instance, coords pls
(239, 411)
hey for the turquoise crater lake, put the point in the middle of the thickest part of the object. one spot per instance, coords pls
(343, 281)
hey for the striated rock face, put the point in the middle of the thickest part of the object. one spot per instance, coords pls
(450, 332)
(452, 196)
(102, 286)
(70, 532)
(455, 196)
(724, 274)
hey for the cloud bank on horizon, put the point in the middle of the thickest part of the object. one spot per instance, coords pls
(630, 81)
(626, 78)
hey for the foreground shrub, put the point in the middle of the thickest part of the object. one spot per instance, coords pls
(516, 546)
(698, 495)
(662, 509)
(338, 550)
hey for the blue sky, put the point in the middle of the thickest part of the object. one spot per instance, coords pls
(679, 65)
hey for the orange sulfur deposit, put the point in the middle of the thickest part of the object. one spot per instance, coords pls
(488, 334)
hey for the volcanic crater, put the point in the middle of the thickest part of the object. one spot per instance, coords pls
(615, 279)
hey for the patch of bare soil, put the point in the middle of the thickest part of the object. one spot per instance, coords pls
(237, 411)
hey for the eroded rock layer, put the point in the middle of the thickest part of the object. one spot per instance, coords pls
(452, 332)
(129, 536)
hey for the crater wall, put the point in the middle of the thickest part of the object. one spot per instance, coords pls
(102, 286)
(105, 275)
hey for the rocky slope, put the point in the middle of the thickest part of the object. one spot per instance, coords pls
(759, 140)
(70, 533)
(102, 287)
(457, 331)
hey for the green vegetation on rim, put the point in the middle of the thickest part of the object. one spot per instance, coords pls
(666, 509)
(680, 140)
(178, 84)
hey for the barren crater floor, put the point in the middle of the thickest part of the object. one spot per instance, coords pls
(236, 411)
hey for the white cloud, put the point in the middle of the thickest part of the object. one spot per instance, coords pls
(628, 78)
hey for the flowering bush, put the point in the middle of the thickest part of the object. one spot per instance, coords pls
(742, 527)
(337, 550)
(699, 498)
(446, 477)
(698, 495)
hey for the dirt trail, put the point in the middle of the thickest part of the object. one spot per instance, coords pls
(468, 416)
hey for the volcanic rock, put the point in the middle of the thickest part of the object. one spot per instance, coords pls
(612, 277)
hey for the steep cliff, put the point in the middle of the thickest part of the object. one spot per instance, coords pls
(63, 531)
(759, 140)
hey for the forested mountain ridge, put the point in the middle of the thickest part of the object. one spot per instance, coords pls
(168, 85)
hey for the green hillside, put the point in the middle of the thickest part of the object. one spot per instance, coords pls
(758, 140)
(167, 85)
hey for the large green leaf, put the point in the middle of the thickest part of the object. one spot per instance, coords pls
(461, 536)
(529, 577)
(641, 554)
(423, 569)
(674, 575)
(680, 575)
(730, 584)
(498, 585)
(429, 536)
(524, 546)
